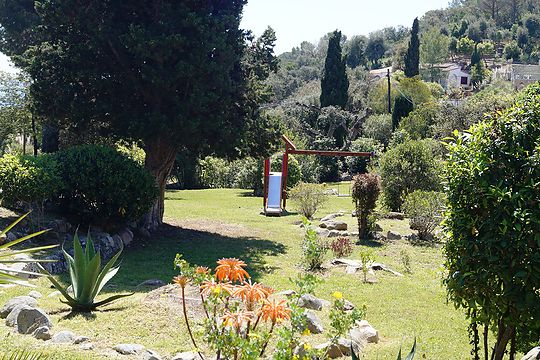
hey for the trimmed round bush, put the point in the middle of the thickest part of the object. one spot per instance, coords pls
(102, 185)
(28, 180)
(424, 210)
(365, 192)
(408, 167)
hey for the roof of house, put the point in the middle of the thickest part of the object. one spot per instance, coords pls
(380, 72)
(526, 72)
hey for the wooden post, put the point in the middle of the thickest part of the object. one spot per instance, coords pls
(265, 181)
(284, 172)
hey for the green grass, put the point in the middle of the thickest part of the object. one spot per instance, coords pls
(205, 225)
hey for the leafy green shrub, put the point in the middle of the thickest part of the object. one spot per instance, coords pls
(493, 224)
(313, 248)
(131, 150)
(378, 127)
(216, 173)
(327, 166)
(342, 320)
(29, 180)
(365, 192)
(418, 123)
(407, 167)
(424, 210)
(308, 198)
(102, 185)
(294, 175)
(357, 164)
(86, 278)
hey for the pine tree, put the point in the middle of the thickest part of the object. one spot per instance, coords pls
(334, 82)
(412, 58)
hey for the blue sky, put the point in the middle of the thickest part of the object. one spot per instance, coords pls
(297, 20)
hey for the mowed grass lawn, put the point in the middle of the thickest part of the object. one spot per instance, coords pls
(205, 225)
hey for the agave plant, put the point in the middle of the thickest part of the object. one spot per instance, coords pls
(13, 276)
(86, 278)
(410, 356)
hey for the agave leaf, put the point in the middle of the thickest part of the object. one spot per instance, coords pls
(56, 284)
(79, 267)
(24, 238)
(399, 354)
(90, 277)
(30, 250)
(106, 274)
(90, 250)
(3, 232)
(112, 298)
(413, 351)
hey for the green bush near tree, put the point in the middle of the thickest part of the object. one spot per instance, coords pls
(408, 167)
(358, 164)
(29, 180)
(308, 198)
(103, 185)
(378, 127)
(424, 210)
(493, 226)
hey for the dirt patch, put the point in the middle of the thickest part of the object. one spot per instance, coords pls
(214, 226)
(169, 298)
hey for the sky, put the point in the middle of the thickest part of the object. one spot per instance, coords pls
(308, 20)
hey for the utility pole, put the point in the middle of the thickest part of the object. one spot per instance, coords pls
(389, 100)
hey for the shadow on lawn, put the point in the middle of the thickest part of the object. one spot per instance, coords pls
(153, 259)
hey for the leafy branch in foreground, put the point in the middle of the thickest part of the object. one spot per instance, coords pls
(13, 276)
(86, 279)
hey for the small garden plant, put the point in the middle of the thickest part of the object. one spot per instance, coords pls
(365, 192)
(424, 209)
(86, 278)
(313, 248)
(341, 247)
(308, 198)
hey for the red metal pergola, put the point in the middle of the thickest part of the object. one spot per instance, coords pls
(290, 148)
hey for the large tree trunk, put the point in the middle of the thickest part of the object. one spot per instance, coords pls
(160, 156)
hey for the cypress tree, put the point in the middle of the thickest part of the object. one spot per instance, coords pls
(412, 58)
(334, 82)
(402, 108)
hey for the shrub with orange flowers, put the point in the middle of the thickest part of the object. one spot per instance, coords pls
(241, 317)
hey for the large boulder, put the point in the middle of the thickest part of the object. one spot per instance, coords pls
(534, 354)
(313, 323)
(19, 300)
(30, 319)
(309, 301)
(129, 349)
(363, 333)
(335, 225)
(341, 348)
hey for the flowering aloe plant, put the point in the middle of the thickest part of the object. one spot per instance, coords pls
(13, 276)
(86, 279)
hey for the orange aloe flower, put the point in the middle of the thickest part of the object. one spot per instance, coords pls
(202, 270)
(236, 319)
(181, 280)
(252, 293)
(212, 287)
(231, 269)
(275, 311)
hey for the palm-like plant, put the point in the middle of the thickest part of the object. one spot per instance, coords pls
(23, 355)
(13, 276)
(86, 278)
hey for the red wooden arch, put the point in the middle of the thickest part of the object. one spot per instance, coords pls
(290, 148)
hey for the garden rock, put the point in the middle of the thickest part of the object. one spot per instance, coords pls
(29, 319)
(81, 339)
(348, 306)
(363, 332)
(309, 301)
(188, 355)
(42, 333)
(393, 235)
(534, 354)
(287, 293)
(19, 300)
(335, 225)
(11, 319)
(393, 215)
(313, 323)
(322, 232)
(334, 233)
(127, 236)
(64, 337)
(341, 348)
(129, 349)
(331, 217)
(87, 346)
(35, 294)
(150, 355)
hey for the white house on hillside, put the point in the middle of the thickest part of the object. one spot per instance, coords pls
(453, 76)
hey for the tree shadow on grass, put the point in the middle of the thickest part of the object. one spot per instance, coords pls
(153, 259)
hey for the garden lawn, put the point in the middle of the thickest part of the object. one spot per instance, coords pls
(205, 225)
